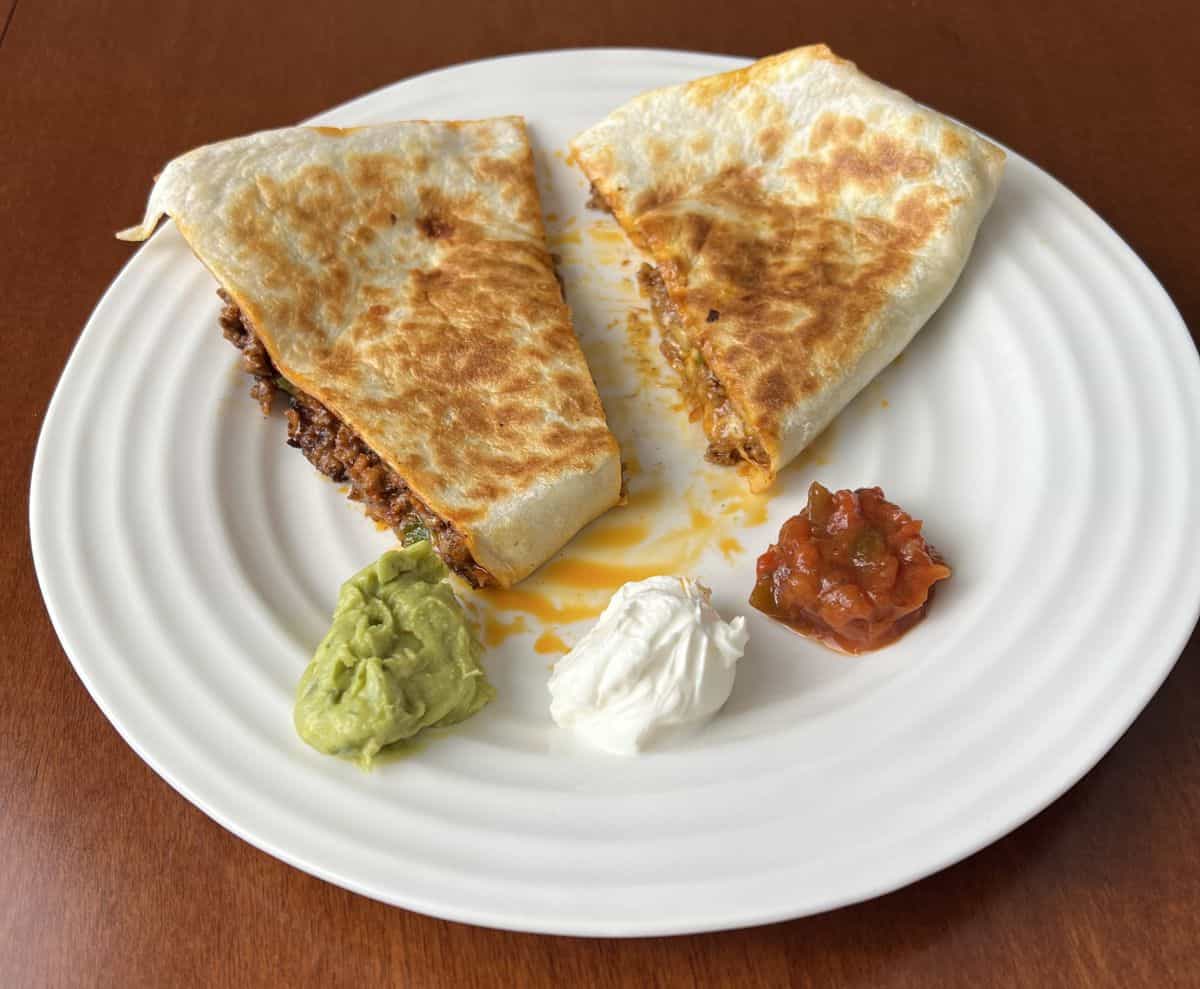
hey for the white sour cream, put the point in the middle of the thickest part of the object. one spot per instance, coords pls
(659, 658)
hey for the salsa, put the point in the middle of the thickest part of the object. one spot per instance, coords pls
(851, 570)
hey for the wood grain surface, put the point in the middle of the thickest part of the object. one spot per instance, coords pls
(108, 877)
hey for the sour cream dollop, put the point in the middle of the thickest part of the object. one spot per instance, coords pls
(659, 658)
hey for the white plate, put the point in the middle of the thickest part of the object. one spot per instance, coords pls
(1044, 424)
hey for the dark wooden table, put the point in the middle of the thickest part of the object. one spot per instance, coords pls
(108, 877)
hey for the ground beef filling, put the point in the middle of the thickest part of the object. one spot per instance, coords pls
(728, 441)
(597, 201)
(337, 452)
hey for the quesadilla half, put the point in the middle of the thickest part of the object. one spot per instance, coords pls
(802, 222)
(395, 281)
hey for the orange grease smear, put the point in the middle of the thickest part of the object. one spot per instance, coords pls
(549, 642)
(754, 509)
(734, 499)
(646, 498)
(613, 537)
(565, 237)
(495, 632)
(590, 575)
(605, 233)
(540, 606)
(642, 351)
(730, 547)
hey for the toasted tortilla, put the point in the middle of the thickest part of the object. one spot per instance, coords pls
(806, 222)
(399, 274)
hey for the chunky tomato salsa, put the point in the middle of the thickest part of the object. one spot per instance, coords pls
(851, 570)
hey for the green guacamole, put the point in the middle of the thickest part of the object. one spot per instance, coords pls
(400, 657)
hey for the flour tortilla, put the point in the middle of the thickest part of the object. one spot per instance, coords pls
(399, 274)
(806, 221)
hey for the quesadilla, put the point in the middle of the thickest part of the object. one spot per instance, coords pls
(802, 222)
(395, 281)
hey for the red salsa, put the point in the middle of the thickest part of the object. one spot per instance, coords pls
(851, 570)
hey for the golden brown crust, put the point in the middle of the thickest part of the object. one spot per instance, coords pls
(796, 286)
(399, 275)
(821, 215)
(451, 355)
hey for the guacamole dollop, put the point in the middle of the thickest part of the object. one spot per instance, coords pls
(400, 657)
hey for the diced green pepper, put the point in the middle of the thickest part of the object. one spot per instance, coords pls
(414, 532)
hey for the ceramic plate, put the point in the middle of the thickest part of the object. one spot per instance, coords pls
(1044, 424)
